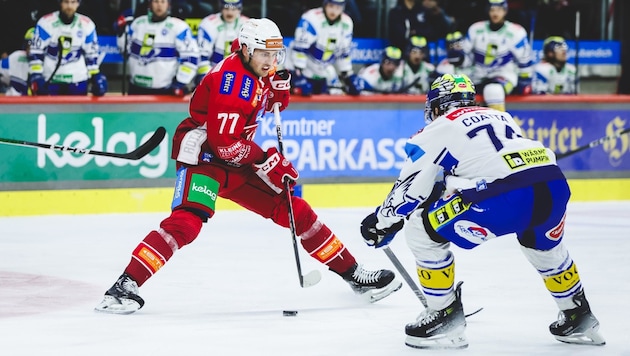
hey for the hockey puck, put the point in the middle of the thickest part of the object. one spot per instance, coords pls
(289, 312)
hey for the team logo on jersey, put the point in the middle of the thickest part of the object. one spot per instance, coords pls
(245, 92)
(557, 232)
(398, 202)
(472, 232)
(226, 82)
(524, 158)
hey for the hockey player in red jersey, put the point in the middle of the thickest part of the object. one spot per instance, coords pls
(216, 156)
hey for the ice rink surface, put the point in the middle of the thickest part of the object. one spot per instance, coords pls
(224, 294)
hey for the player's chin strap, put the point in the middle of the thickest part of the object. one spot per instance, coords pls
(313, 277)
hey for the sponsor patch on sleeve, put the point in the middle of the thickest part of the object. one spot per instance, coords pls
(247, 85)
(227, 83)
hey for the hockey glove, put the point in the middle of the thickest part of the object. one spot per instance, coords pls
(178, 89)
(99, 84)
(524, 85)
(300, 85)
(455, 57)
(354, 84)
(275, 169)
(378, 237)
(122, 21)
(280, 90)
(37, 83)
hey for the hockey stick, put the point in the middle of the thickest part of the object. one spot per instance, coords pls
(410, 282)
(136, 154)
(592, 144)
(313, 277)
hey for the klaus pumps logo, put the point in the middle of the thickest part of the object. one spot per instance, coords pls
(151, 166)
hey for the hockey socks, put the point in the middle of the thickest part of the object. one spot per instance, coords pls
(325, 247)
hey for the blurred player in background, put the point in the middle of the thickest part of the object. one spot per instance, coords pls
(417, 72)
(455, 56)
(64, 54)
(163, 55)
(384, 77)
(14, 68)
(501, 56)
(496, 183)
(216, 34)
(553, 75)
(216, 157)
(320, 53)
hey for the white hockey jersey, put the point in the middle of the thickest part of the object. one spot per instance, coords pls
(417, 82)
(318, 44)
(160, 51)
(482, 152)
(375, 83)
(549, 80)
(446, 67)
(215, 38)
(74, 47)
(504, 53)
(14, 73)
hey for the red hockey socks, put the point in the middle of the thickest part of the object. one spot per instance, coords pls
(325, 247)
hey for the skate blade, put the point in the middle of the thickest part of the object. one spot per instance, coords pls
(374, 295)
(591, 337)
(111, 305)
(455, 340)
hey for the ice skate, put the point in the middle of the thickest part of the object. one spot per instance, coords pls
(122, 297)
(439, 329)
(578, 325)
(372, 285)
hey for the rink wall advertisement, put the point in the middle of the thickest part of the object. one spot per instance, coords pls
(341, 143)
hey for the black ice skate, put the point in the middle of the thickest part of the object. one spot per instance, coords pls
(373, 285)
(122, 297)
(439, 329)
(578, 325)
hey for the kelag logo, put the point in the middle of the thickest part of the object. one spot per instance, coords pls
(153, 165)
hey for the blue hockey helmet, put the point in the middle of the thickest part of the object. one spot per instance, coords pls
(448, 91)
(335, 2)
(553, 42)
(235, 4)
(502, 3)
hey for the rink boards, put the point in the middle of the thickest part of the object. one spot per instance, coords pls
(348, 151)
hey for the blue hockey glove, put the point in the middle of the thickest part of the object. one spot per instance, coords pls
(99, 84)
(300, 85)
(37, 83)
(178, 89)
(354, 84)
(378, 237)
(455, 57)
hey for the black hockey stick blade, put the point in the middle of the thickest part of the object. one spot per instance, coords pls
(136, 154)
(592, 144)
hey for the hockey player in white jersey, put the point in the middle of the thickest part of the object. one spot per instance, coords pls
(14, 68)
(163, 55)
(64, 54)
(501, 55)
(384, 77)
(417, 72)
(497, 183)
(455, 55)
(323, 38)
(216, 34)
(553, 75)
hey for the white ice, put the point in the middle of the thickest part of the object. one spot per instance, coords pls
(224, 294)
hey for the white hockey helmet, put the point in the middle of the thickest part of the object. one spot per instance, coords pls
(262, 34)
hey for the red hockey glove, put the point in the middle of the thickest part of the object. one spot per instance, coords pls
(280, 90)
(275, 169)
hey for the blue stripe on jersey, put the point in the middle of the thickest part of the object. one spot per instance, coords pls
(226, 82)
(163, 52)
(216, 57)
(91, 38)
(5, 63)
(318, 53)
(182, 36)
(447, 161)
(497, 62)
(43, 35)
(541, 78)
(307, 26)
(413, 151)
(521, 43)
